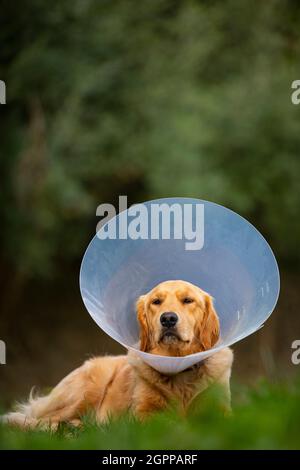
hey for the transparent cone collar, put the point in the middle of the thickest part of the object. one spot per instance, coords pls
(189, 239)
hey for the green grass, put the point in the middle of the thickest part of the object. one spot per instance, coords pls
(266, 416)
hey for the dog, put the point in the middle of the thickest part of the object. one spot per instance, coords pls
(176, 318)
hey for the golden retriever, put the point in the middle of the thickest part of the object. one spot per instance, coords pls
(176, 318)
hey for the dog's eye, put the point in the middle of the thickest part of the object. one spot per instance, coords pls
(187, 300)
(156, 302)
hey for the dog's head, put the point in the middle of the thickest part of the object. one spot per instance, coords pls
(177, 318)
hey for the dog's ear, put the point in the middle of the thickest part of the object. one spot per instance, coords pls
(144, 328)
(210, 328)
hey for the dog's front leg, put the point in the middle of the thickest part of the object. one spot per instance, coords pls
(225, 396)
(147, 400)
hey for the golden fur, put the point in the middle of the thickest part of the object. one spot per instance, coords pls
(109, 386)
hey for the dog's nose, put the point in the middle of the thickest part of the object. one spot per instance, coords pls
(168, 319)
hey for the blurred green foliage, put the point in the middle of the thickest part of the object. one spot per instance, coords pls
(148, 99)
(265, 417)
